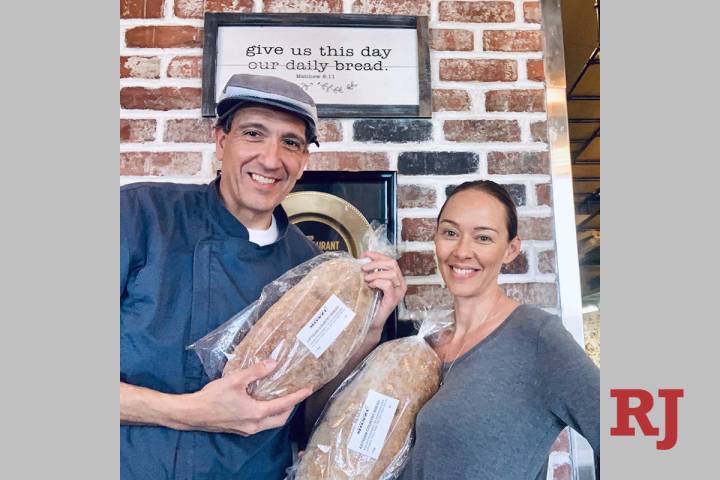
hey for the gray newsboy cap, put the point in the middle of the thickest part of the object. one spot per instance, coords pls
(272, 91)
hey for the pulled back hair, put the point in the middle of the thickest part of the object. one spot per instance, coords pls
(496, 191)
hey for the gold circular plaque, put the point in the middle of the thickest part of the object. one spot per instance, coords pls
(335, 212)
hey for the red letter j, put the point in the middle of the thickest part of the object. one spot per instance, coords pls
(671, 417)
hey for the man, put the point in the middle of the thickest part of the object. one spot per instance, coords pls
(191, 257)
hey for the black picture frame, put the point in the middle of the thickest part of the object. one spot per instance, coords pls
(332, 181)
(420, 23)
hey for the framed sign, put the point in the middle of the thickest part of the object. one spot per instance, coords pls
(352, 65)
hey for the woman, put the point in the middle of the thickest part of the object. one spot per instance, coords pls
(514, 377)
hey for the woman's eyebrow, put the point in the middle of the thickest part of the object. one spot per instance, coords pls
(482, 227)
(445, 220)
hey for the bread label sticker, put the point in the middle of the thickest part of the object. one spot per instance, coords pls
(325, 326)
(372, 424)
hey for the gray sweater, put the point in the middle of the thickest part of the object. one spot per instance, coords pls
(504, 402)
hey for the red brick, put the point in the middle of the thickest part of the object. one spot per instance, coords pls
(538, 130)
(562, 472)
(510, 163)
(160, 163)
(330, 131)
(141, 8)
(418, 229)
(517, 266)
(418, 263)
(228, 5)
(447, 39)
(164, 37)
(532, 228)
(538, 294)
(137, 131)
(546, 261)
(562, 442)
(477, 12)
(189, 8)
(419, 297)
(185, 67)
(139, 67)
(463, 69)
(416, 196)
(348, 161)
(196, 8)
(450, 100)
(392, 7)
(512, 41)
(303, 6)
(515, 101)
(132, 164)
(536, 70)
(531, 12)
(165, 98)
(482, 130)
(544, 194)
(192, 130)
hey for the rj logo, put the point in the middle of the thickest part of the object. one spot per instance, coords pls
(625, 411)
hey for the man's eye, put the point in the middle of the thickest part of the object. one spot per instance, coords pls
(251, 133)
(483, 238)
(293, 144)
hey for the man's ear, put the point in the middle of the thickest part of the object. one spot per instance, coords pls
(220, 137)
(513, 249)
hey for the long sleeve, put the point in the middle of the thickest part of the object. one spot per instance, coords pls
(571, 381)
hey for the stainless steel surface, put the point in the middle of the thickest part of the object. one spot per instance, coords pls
(561, 170)
(563, 201)
(582, 457)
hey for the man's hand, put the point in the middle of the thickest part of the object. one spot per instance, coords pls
(223, 405)
(383, 273)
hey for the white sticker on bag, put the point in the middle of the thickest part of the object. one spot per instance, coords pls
(325, 326)
(372, 424)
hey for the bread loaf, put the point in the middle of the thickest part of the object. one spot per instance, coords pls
(314, 299)
(407, 370)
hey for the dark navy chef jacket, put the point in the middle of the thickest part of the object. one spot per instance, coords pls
(186, 266)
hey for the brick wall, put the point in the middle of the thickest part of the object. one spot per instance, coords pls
(488, 122)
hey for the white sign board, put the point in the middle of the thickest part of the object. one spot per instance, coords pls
(343, 67)
(358, 66)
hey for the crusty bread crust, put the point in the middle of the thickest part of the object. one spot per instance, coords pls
(275, 333)
(406, 369)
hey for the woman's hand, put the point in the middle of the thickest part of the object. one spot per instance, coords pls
(383, 273)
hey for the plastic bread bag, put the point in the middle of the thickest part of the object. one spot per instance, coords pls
(365, 430)
(310, 320)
